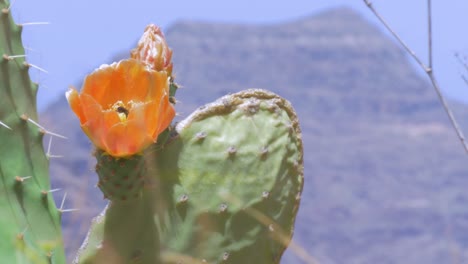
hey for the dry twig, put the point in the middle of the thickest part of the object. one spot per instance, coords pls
(427, 68)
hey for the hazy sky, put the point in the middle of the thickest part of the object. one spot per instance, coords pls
(84, 34)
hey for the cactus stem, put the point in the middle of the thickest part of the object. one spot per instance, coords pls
(34, 23)
(27, 64)
(4, 125)
(45, 131)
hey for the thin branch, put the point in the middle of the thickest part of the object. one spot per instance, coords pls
(395, 35)
(427, 68)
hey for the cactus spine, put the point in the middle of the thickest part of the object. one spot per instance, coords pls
(30, 222)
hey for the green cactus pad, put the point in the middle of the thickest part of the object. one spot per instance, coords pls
(239, 164)
(239, 147)
(226, 188)
(30, 229)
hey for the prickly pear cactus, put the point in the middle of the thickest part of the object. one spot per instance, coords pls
(29, 220)
(238, 167)
(224, 189)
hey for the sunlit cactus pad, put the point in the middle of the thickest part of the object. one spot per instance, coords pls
(239, 164)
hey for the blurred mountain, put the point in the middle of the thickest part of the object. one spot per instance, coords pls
(385, 174)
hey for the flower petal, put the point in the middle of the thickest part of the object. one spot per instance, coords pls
(145, 116)
(97, 85)
(91, 108)
(137, 82)
(128, 80)
(166, 114)
(75, 103)
(98, 122)
(159, 86)
(125, 139)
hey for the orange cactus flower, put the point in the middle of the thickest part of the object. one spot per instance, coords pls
(123, 107)
(153, 50)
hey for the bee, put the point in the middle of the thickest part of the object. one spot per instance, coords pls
(123, 110)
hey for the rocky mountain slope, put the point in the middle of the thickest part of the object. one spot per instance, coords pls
(385, 175)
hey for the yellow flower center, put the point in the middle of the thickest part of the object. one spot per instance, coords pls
(121, 109)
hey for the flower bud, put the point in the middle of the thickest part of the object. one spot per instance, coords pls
(153, 50)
